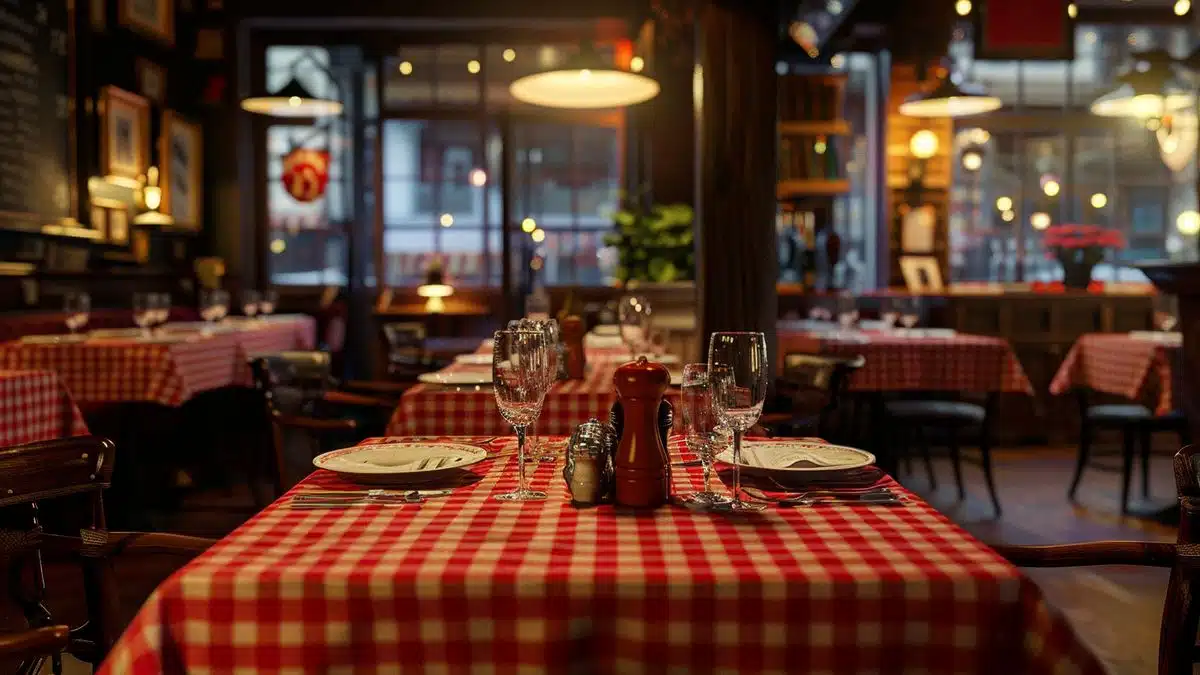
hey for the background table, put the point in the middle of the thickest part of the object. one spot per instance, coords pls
(1121, 364)
(167, 373)
(468, 584)
(971, 363)
(34, 406)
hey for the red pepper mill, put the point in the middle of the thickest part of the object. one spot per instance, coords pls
(572, 332)
(641, 464)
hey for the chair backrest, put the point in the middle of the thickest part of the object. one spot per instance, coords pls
(816, 383)
(406, 341)
(294, 379)
(40, 471)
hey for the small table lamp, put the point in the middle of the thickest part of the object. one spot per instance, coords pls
(435, 288)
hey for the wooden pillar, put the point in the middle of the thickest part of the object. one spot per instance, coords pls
(669, 128)
(736, 258)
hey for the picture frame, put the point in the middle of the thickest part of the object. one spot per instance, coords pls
(124, 134)
(110, 218)
(153, 18)
(922, 274)
(152, 80)
(181, 170)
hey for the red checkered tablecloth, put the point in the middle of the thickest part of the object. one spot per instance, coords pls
(433, 410)
(168, 373)
(973, 363)
(1121, 364)
(467, 584)
(34, 406)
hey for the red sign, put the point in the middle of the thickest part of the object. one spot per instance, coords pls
(1024, 29)
(306, 173)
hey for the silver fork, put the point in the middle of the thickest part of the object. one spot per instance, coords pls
(882, 496)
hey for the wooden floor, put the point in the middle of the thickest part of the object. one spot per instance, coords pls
(1115, 610)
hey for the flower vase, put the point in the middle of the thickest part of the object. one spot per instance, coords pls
(1077, 265)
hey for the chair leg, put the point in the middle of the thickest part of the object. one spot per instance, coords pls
(956, 462)
(1081, 460)
(1145, 440)
(1128, 440)
(985, 461)
(925, 457)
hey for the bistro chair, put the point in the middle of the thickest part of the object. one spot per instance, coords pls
(1137, 425)
(52, 509)
(951, 421)
(1177, 648)
(407, 356)
(809, 395)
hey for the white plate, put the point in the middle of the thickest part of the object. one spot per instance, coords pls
(792, 458)
(457, 377)
(677, 379)
(607, 329)
(474, 359)
(399, 462)
(602, 341)
(65, 339)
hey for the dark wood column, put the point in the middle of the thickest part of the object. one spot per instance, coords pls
(736, 259)
(669, 118)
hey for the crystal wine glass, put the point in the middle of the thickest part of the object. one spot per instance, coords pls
(633, 313)
(162, 309)
(268, 302)
(910, 312)
(549, 329)
(221, 298)
(702, 430)
(847, 309)
(738, 371)
(77, 307)
(888, 313)
(1166, 312)
(143, 312)
(250, 300)
(519, 365)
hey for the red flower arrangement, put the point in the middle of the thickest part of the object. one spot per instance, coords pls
(1082, 236)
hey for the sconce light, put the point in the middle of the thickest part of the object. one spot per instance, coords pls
(150, 197)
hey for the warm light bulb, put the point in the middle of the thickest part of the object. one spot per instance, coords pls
(509, 55)
(1004, 203)
(636, 64)
(1182, 7)
(528, 225)
(923, 144)
(820, 147)
(152, 196)
(1040, 220)
(472, 66)
(1188, 223)
(972, 160)
(446, 220)
(1008, 216)
(278, 246)
(538, 235)
(1072, 10)
(405, 68)
(295, 101)
(478, 177)
(963, 7)
(1051, 188)
(1099, 200)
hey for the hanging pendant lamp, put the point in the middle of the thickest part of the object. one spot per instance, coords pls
(293, 100)
(950, 100)
(584, 81)
(1146, 89)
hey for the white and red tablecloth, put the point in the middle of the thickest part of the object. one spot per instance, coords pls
(436, 410)
(899, 362)
(467, 584)
(168, 371)
(34, 406)
(1135, 367)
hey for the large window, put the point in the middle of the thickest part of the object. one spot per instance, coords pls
(1047, 160)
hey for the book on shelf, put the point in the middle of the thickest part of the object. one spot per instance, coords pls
(810, 158)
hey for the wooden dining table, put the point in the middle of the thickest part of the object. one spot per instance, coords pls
(468, 584)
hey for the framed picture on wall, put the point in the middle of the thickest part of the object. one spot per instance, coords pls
(124, 134)
(921, 273)
(152, 18)
(152, 80)
(181, 153)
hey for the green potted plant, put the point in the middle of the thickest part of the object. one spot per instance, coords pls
(653, 242)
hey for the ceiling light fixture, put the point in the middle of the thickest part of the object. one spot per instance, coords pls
(294, 99)
(948, 99)
(585, 81)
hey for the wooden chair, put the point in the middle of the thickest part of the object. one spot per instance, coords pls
(1177, 648)
(811, 390)
(52, 508)
(953, 420)
(1137, 425)
(407, 355)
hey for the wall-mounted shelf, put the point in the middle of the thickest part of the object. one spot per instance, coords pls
(815, 128)
(786, 189)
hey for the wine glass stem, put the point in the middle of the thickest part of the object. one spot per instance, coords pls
(707, 464)
(737, 467)
(520, 430)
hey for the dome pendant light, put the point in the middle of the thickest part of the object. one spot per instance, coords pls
(1147, 89)
(949, 100)
(584, 81)
(293, 100)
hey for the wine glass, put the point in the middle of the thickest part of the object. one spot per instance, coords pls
(1166, 312)
(633, 314)
(519, 366)
(910, 312)
(77, 307)
(549, 329)
(268, 302)
(888, 313)
(702, 430)
(143, 312)
(221, 308)
(847, 309)
(162, 309)
(250, 300)
(210, 308)
(738, 370)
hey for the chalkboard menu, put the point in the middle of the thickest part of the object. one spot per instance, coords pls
(36, 135)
